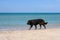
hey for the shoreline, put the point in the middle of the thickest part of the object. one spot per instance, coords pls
(26, 27)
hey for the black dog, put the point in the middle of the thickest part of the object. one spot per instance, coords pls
(35, 22)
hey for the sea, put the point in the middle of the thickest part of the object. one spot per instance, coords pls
(18, 21)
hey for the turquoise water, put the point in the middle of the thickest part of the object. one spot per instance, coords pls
(12, 21)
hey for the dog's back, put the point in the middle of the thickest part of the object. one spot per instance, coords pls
(36, 21)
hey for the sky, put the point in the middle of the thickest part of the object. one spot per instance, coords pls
(29, 6)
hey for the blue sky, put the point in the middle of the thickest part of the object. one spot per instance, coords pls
(29, 5)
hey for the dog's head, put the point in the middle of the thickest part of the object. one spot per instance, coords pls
(46, 23)
(28, 23)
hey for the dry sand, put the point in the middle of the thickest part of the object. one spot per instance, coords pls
(43, 34)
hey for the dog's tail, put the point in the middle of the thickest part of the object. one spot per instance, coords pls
(46, 23)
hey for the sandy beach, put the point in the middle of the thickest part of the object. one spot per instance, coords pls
(43, 34)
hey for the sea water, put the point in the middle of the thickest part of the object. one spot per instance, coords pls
(18, 21)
